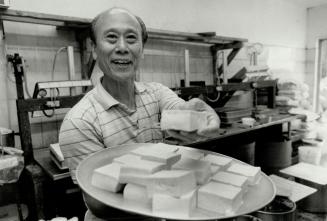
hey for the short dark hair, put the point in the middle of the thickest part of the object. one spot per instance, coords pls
(144, 32)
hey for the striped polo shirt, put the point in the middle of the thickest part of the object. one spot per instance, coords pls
(98, 121)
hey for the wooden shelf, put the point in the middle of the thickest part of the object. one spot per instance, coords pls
(84, 23)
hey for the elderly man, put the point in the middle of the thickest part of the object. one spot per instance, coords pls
(120, 110)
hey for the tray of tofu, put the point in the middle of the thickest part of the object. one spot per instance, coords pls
(173, 182)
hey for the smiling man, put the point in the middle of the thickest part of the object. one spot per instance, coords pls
(120, 110)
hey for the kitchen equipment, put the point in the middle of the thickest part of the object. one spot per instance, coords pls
(7, 137)
(280, 209)
(273, 155)
(315, 177)
(101, 202)
(244, 218)
(230, 115)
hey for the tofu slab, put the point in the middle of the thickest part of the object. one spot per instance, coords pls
(170, 182)
(221, 161)
(220, 197)
(107, 178)
(127, 159)
(157, 147)
(142, 167)
(179, 206)
(194, 154)
(201, 168)
(233, 179)
(253, 173)
(162, 153)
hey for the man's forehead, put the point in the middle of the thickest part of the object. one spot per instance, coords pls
(118, 14)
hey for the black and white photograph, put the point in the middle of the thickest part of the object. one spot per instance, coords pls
(163, 110)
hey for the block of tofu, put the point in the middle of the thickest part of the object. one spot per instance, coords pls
(136, 193)
(220, 197)
(183, 120)
(183, 206)
(194, 154)
(201, 168)
(142, 167)
(214, 169)
(127, 159)
(168, 158)
(157, 147)
(107, 177)
(253, 173)
(221, 161)
(173, 182)
(233, 179)
(162, 153)
(169, 182)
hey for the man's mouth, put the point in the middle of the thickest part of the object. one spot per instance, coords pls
(122, 62)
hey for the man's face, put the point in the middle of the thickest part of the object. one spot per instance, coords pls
(118, 45)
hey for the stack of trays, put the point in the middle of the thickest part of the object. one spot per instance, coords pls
(230, 115)
(57, 157)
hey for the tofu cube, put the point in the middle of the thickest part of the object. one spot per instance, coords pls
(221, 161)
(214, 169)
(107, 178)
(173, 182)
(253, 173)
(136, 193)
(183, 120)
(220, 197)
(174, 206)
(201, 168)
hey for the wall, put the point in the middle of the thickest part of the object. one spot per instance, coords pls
(277, 24)
(316, 28)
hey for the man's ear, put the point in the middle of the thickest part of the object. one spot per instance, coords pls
(94, 54)
(92, 46)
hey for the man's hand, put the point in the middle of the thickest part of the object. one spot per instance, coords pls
(210, 130)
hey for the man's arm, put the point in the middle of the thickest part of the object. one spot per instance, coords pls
(77, 140)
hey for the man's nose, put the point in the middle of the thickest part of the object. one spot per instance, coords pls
(121, 46)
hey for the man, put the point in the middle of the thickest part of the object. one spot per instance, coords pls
(119, 110)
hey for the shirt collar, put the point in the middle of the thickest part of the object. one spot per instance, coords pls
(106, 100)
(139, 87)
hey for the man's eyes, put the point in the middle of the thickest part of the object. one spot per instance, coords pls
(130, 38)
(111, 37)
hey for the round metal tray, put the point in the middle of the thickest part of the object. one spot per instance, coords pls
(96, 199)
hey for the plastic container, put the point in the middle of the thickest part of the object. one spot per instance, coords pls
(248, 121)
(317, 202)
(272, 156)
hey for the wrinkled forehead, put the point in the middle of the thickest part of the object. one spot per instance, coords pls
(117, 19)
